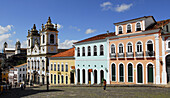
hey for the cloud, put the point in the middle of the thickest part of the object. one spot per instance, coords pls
(88, 31)
(4, 38)
(77, 29)
(5, 29)
(66, 44)
(123, 7)
(14, 32)
(59, 26)
(106, 5)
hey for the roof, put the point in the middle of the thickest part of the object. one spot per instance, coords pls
(134, 19)
(158, 24)
(21, 65)
(98, 37)
(68, 53)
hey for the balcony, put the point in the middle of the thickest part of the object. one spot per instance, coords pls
(129, 54)
(113, 55)
(121, 55)
(139, 54)
(150, 53)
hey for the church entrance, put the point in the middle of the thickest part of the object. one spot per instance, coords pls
(168, 68)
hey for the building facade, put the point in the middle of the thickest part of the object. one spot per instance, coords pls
(18, 74)
(92, 60)
(139, 52)
(40, 46)
(62, 68)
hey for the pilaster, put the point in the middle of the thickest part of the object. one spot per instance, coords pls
(157, 59)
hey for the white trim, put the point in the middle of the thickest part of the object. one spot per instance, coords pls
(157, 59)
(143, 27)
(132, 72)
(137, 73)
(130, 27)
(164, 78)
(153, 72)
(115, 72)
(123, 72)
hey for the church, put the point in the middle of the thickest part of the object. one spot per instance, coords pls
(40, 46)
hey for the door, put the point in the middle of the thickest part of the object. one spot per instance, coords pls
(89, 77)
(83, 75)
(168, 68)
(95, 76)
(139, 73)
(72, 77)
(150, 73)
(101, 75)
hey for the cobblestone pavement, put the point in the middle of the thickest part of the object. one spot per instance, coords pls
(88, 92)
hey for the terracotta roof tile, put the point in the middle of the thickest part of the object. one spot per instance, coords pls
(20, 65)
(68, 53)
(98, 37)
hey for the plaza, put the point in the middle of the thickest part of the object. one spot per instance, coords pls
(89, 92)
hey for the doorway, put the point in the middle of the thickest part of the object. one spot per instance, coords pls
(101, 76)
(168, 68)
(139, 73)
(72, 77)
(150, 73)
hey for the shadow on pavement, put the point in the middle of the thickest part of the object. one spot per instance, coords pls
(17, 92)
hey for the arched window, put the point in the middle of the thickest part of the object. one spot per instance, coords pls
(23, 69)
(66, 68)
(66, 79)
(101, 50)
(43, 39)
(139, 46)
(120, 48)
(51, 78)
(51, 66)
(78, 51)
(129, 47)
(121, 73)
(52, 39)
(62, 79)
(112, 48)
(169, 44)
(83, 75)
(149, 46)
(120, 30)
(58, 67)
(95, 50)
(29, 42)
(129, 28)
(78, 75)
(20, 69)
(113, 72)
(83, 51)
(62, 67)
(130, 73)
(89, 51)
(58, 79)
(138, 26)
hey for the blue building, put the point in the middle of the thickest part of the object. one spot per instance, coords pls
(92, 59)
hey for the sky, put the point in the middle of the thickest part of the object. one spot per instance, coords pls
(76, 19)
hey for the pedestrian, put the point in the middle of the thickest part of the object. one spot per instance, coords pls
(104, 84)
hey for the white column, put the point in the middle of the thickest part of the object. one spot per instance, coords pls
(164, 78)
(108, 65)
(157, 59)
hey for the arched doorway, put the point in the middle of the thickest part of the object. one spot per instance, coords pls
(130, 72)
(121, 73)
(43, 79)
(113, 72)
(95, 76)
(168, 68)
(139, 73)
(101, 75)
(83, 71)
(78, 75)
(150, 73)
(89, 76)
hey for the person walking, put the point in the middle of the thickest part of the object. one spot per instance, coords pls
(104, 84)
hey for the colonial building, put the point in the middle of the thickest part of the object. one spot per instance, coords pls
(18, 74)
(40, 46)
(62, 68)
(139, 52)
(92, 59)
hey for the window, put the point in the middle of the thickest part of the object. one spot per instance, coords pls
(20, 75)
(139, 46)
(51, 78)
(43, 39)
(120, 48)
(130, 73)
(58, 67)
(66, 68)
(95, 50)
(62, 79)
(113, 72)
(101, 50)
(51, 67)
(167, 30)
(20, 69)
(78, 51)
(149, 46)
(23, 69)
(58, 79)
(52, 39)
(23, 76)
(120, 30)
(54, 79)
(89, 51)
(62, 67)
(54, 67)
(168, 44)
(66, 79)
(129, 47)
(121, 73)
(112, 48)
(129, 28)
(29, 42)
(83, 53)
(138, 27)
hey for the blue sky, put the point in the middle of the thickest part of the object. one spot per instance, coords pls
(78, 19)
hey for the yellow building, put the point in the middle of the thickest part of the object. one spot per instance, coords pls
(62, 68)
